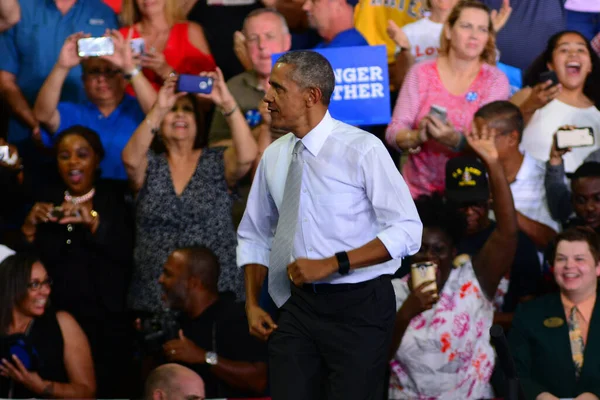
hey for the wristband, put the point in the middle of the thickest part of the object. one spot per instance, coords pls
(343, 262)
(229, 113)
(130, 75)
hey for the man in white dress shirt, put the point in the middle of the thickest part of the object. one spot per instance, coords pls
(328, 217)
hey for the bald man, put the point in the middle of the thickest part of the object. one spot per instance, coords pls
(174, 382)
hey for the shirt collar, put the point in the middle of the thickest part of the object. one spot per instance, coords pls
(314, 140)
(527, 167)
(585, 308)
(251, 79)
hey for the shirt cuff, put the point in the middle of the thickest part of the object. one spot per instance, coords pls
(555, 172)
(398, 244)
(250, 253)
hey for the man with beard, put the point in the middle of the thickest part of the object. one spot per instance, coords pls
(213, 339)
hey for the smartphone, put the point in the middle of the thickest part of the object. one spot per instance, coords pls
(194, 84)
(57, 212)
(439, 112)
(579, 137)
(549, 76)
(423, 272)
(4, 153)
(94, 47)
(138, 45)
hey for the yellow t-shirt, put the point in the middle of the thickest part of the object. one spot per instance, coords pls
(371, 19)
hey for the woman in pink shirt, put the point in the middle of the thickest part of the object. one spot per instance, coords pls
(462, 79)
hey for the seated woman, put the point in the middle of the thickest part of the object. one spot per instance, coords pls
(171, 43)
(552, 337)
(441, 344)
(64, 362)
(462, 79)
(83, 231)
(184, 188)
(574, 101)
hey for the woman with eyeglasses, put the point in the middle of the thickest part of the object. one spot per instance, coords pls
(83, 232)
(52, 357)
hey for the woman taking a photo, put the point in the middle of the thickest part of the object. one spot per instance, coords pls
(83, 233)
(574, 101)
(441, 343)
(461, 80)
(184, 188)
(171, 44)
(554, 339)
(64, 361)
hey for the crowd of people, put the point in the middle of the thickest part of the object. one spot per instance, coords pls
(244, 243)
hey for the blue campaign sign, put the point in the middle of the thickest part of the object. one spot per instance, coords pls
(362, 87)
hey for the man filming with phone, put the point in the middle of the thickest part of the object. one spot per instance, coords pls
(108, 110)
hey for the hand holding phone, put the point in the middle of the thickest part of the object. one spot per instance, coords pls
(549, 76)
(439, 112)
(577, 137)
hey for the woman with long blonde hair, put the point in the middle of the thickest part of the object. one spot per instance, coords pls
(439, 97)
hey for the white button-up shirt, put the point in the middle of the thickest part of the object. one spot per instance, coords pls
(351, 194)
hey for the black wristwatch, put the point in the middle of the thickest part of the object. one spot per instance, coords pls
(343, 262)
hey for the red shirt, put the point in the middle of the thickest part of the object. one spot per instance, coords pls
(179, 53)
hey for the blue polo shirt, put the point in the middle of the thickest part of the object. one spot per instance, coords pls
(348, 38)
(30, 49)
(114, 130)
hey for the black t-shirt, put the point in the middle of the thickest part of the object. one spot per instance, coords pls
(525, 271)
(220, 20)
(223, 328)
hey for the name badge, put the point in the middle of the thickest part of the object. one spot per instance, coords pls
(553, 322)
(96, 21)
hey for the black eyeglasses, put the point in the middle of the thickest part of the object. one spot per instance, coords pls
(37, 285)
(96, 73)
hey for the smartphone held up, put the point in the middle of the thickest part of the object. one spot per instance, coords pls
(95, 47)
(194, 84)
(424, 272)
(578, 137)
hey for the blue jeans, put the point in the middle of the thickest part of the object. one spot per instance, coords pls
(588, 24)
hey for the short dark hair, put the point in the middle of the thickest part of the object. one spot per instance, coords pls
(90, 136)
(436, 213)
(592, 84)
(201, 140)
(578, 234)
(589, 169)
(203, 264)
(311, 70)
(15, 274)
(506, 116)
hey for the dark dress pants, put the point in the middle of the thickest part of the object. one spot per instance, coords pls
(333, 345)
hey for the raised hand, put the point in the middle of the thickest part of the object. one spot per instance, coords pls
(397, 35)
(167, 97)
(499, 18)
(240, 50)
(220, 94)
(482, 140)
(123, 57)
(556, 154)
(68, 57)
(79, 214)
(542, 94)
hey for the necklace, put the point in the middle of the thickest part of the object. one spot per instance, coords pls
(79, 199)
